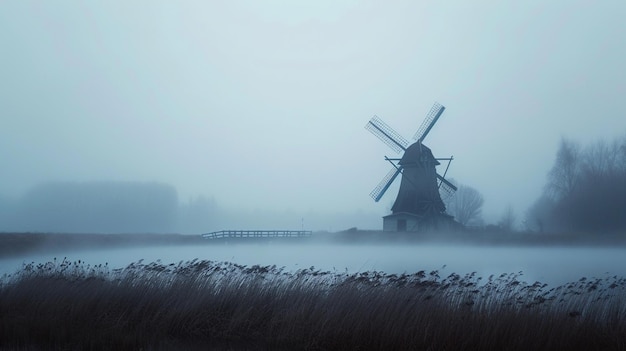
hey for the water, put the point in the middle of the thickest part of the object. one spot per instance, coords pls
(545, 264)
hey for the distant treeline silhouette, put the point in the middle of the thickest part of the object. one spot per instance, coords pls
(585, 191)
(107, 207)
(149, 207)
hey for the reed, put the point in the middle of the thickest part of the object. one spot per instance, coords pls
(225, 306)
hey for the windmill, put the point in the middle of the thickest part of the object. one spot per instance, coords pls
(419, 202)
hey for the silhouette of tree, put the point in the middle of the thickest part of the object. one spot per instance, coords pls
(197, 215)
(507, 221)
(586, 189)
(465, 205)
(104, 207)
(564, 174)
(539, 217)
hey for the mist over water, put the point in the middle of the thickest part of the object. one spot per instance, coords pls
(550, 265)
(196, 117)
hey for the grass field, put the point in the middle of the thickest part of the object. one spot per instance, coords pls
(224, 306)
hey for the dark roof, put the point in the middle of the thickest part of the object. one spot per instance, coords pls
(403, 214)
(417, 153)
(416, 216)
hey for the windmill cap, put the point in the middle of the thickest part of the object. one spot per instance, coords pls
(417, 153)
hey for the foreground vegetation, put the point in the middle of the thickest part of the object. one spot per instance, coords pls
(205, 304)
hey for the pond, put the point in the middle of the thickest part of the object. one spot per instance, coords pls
(552, 265)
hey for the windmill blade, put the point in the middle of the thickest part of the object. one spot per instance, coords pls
(385, 183)
(446, 182)
(446, 189)
(385, 133)
(429, 122)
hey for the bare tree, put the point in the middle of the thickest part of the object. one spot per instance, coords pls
(602, 158)
(539, 217)
(197, 215)
(507, 221)
(618, 149)
(564, 173)
(586, 189)
(466, 205)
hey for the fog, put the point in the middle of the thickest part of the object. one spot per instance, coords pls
(554, 266)
(257, 110)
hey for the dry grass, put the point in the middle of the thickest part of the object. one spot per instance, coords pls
(224, 306)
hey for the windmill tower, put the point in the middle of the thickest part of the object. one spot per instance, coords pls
(419, 202)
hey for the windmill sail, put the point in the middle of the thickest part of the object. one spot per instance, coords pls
(446, 189)
(429, 122)
(385, 133)
(384, 184)
(445, 182)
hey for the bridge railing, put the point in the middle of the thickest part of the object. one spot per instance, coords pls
(227, 234)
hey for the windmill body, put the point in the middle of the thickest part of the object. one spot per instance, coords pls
(418, 204)
(419, 189)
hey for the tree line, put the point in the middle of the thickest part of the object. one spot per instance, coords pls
(585, 190)
(106, 207)
(148, 207)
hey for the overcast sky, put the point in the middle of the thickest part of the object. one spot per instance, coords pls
(262, 104)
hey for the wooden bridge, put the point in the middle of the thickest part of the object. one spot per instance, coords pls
(257, 234)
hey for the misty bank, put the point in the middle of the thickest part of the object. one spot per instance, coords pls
(16, 244)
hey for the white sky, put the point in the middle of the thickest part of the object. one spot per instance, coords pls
(262, 104)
